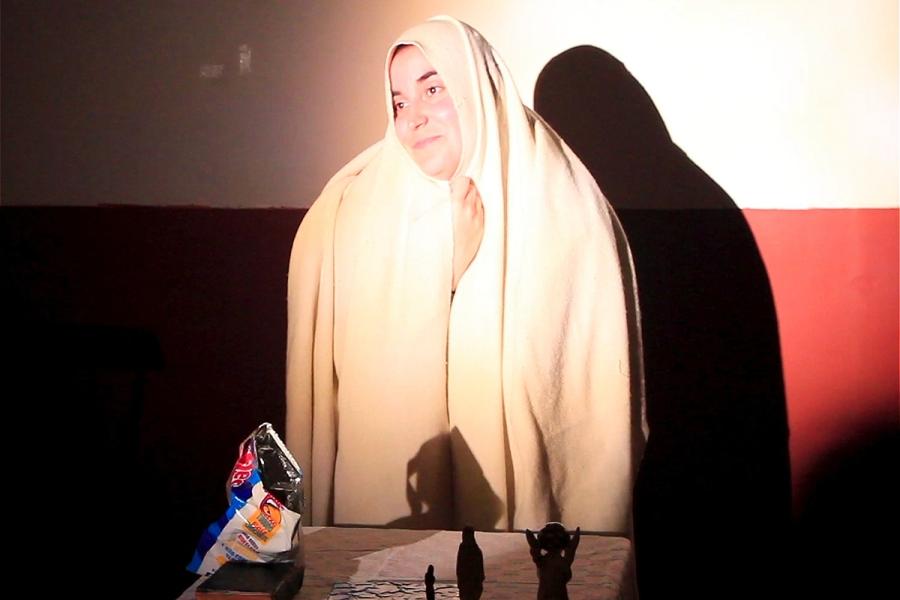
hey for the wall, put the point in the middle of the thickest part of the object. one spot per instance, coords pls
(790, 107)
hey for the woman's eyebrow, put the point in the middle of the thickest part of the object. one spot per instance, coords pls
(426, 76)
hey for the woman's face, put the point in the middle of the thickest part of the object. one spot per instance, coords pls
(424, 115)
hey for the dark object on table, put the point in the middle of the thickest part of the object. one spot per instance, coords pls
(469, 567)
(252, 581)
(429, 583)
(555, 567)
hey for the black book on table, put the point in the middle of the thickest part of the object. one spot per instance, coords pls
(252, 581)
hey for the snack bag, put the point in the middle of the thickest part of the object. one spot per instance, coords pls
(262, 523)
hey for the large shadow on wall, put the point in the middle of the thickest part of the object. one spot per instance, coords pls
(846, 533)
(712, 500)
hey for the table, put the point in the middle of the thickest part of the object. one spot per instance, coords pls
(603, 567)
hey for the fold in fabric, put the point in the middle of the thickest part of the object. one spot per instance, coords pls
(519, 402)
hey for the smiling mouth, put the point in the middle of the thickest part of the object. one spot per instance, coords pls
(425, 142)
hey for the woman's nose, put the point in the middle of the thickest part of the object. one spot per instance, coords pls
(417, 116)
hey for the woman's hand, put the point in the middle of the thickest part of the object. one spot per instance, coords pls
(468, 224)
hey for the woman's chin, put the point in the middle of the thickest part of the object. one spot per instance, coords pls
(438, 171)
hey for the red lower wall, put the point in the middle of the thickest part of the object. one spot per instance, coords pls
(834, 276)
(207, 288)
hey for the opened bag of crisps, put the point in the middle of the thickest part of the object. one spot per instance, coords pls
(262, 523)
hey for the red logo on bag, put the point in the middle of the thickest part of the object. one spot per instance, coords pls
(243, 467)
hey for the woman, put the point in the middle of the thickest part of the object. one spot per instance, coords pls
(428, 388)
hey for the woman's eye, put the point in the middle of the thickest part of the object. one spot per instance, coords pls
(398, 106)
(432, 90)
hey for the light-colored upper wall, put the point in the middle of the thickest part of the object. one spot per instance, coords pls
(786, 104)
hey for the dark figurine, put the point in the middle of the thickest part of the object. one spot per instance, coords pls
(469, 567)
(429, 583)
(553, 551)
